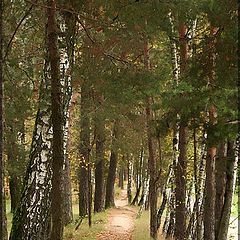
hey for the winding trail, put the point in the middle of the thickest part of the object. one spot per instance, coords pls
(121, 221)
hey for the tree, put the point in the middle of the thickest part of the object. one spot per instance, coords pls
(57, 122)
(3, 235)
(99, 164)
(109, 201)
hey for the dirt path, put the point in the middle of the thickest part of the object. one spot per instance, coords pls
(121, 221)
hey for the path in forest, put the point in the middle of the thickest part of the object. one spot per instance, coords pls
(120, 222)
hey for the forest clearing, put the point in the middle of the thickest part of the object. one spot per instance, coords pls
(119, 120)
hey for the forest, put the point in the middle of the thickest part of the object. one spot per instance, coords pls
(119, 119)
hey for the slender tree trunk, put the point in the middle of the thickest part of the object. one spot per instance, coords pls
(121, 178)
(220, 184)
(152, 164)
(129, 184)
(68, 23)
(181, 185)
(230, 175)
(198, 182)
(99, 170)
(164, 197)
(57, 121)
(84, 150)
(109, 202)
(152, 184)
(210, 186)
(3, 225)
(181, 164)
(15, 186)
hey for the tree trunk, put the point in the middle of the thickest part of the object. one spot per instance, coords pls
(121, 178)
(152, 183)
(230, 175)
(135, 200)
(129, 183)
(181, 185)
(209, 206)
(3, 225)
(84, 149)
(99, 170)
(57, 122)
(152, 164)
(210, 186)
(181, 164)
(33, 212)
(66, 65)
(15, 187)
(109, 202)
(220, 184)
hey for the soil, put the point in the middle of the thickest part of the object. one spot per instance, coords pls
(121, 221)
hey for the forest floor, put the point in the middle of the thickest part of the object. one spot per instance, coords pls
(120, 221)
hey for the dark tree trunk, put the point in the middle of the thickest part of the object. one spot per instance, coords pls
(152, 164)
(135, 200)
(181, 185)
(152, 172)
(99, 170)
(109, 202)
(15, 184)
(84, 149)
(210, 184)
(220, 184)
(3, 225)
(209, 202)
(226, 211)
(121, 178)
(57, 122)
(15, 187)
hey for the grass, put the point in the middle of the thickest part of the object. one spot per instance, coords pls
(141, 230)
(84, 232)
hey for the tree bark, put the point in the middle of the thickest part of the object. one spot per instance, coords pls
(121, 178)
(3, 225)
(230, 175)
(84, 149)
(109, 202)
(210, 185)
(220, 184)
(57, 122)
(33, 212)
(99, 169)
(152, 164)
